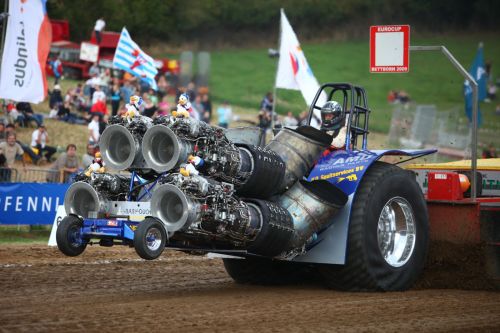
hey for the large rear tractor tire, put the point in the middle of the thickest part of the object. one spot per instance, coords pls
(388, 234)
(150, 238)
(69, 237)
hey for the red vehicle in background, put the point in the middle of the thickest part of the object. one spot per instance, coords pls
(76, 57)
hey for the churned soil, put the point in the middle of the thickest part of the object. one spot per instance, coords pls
(111, 289)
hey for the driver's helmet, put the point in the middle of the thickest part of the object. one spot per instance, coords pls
(332, 116)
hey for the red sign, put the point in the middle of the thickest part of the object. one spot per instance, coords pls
(389, 48)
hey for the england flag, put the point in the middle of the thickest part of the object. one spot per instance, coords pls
(129, 57)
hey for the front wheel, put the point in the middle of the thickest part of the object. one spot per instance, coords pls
(69, 236)
(150, 238)
(388, 234)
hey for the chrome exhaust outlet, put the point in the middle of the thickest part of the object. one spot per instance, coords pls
(163, 150)
(83, 200)
(120, 149)
(174, 208)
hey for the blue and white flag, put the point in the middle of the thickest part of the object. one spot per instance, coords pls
(478, 72)
(129, 57)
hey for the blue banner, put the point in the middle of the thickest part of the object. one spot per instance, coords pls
(30, 203)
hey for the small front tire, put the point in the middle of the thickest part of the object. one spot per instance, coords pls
(150, 238)
(69, 236)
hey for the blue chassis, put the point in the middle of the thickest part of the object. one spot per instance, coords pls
(343, 168)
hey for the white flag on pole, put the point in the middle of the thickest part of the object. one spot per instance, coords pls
(293, 70)
(25, 52)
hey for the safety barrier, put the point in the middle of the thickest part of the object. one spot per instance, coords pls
(8, 175)
(32, 175)
(30, 203)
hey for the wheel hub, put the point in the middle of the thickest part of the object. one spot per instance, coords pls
(396, 232)
(153, 239)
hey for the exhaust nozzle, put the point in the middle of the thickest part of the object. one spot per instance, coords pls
(120, 149)
(82, 199)
(163, 150)
(174, 208)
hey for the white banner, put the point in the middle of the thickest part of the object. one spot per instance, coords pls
(293, 70)
(26, 47)
(60, 214)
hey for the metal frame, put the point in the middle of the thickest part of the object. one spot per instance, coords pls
(473, 82)
(355, 104)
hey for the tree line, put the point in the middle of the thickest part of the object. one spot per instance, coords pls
(212, 20)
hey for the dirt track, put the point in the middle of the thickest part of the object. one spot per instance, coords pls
(110, 289)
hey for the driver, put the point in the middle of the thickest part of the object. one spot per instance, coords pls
(333, 123)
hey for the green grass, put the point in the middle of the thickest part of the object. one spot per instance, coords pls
(24, 234)
(244, 76)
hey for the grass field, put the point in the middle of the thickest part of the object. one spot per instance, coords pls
(24, 234)
(244, 76)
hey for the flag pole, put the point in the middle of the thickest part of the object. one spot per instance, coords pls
(276, 76)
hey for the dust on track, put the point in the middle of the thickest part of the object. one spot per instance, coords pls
(110, 289)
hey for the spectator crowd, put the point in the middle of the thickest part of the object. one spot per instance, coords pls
(91, 104)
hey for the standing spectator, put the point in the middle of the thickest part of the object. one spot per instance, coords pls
(267, 102)
(57, 69)
(98, 28)
(65, 165)
(224, 113)
(491, 94)
(94, 130)
(149, 107)
(39, 140)
(207, 104)
(98, 95)
(290, 120)
(198, 107)
(126, 91)
(115, 99)
(88, 157)
(94, 70)
(264, 120)
(9, 149)
(191, 91)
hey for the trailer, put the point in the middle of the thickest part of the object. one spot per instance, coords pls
(454, 216)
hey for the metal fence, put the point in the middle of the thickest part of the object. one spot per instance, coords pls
(32, 175)
(8, 175)
(424, 126)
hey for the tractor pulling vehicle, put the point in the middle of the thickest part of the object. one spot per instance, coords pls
(268, 211)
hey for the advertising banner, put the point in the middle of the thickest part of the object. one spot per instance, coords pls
(30, 203)
(25, 52)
